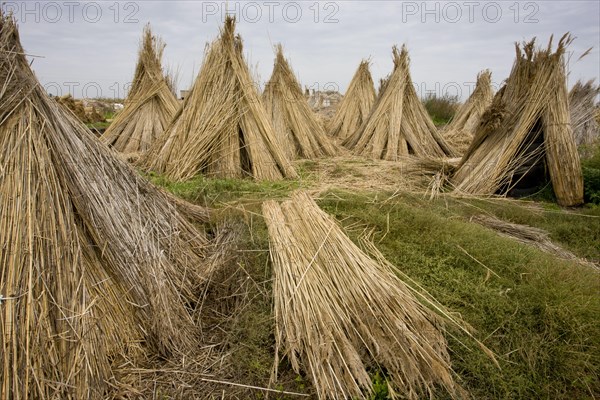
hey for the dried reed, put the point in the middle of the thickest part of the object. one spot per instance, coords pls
(98, 270)
(529, 235)
(299, 131)
(150, 105)
(398, 124)
(460, 131)
(533, 102)
(356, 104)
(583, 108)
(222, 129)
(338, 312)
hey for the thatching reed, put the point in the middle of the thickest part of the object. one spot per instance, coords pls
(222, 129)
(299, 131)
(150, 105)
(87, 116)
(583, 108)
(98, 270)
(339, 312)
(356, 104)
(526, 131)
(528, 235)
(460, 131)
(398, 124)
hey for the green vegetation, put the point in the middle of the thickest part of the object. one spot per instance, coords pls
(591, 176)
(216, 192)
(108, 116)
(538, 314)
(99, 125)
(441, 109)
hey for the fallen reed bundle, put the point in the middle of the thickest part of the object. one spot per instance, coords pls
(529, 235)
(526, 132)
(222, 129)
(299, 131)
(398, 124)
(150, 105)
(356, 104)
(584, 111)
(98, 270)
(338, 312)
(460, 131)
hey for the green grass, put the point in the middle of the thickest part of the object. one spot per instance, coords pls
(440, 121)
(216, 192)
(539, 315)
(99, 125)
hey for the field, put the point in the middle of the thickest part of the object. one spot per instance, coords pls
(536, 312)
(393, 266)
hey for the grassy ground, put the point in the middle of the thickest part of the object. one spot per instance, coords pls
(538, 314)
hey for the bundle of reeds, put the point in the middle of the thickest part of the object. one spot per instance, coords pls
(98, 270)
(299, 131)
(529, 235)
(460, 131)
(222, 129)
(77, 107)
(398, 124)
(356, 104)
(150, 105)
(527, 125)
(339, 312)
(583, 108)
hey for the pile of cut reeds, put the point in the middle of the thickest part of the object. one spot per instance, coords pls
(151, 103)
(99, 272)
(78, 108)
(356, 104)
(460, 131)
(222, 128)
(533, 102)
(583, 108)
(300, 133)
(398, 124)
(339, 312)
(529, 235)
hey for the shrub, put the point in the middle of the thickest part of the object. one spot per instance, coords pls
(591, 176)
(441, 109)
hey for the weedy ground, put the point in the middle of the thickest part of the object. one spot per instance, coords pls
(537, 313)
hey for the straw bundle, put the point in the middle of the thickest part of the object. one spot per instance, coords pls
(528, 235)
(527, 127)
(461, 130)
(301, 135)
(222, 129)
(398, 124)
(338, 312)
(150, 105)
(97, 267)
(583, 108)
(356, 104)
(87, 116)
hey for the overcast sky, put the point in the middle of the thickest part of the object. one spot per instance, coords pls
(90, 48)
